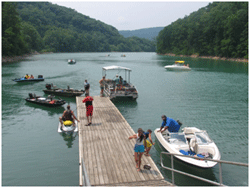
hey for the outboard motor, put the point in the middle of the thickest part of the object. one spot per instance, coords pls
(48, 86)
(31, 96)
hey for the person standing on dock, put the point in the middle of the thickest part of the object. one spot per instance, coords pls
(139, 147)
(102, 85)
(86, 86)
(148, 143)
(89, 108)
(170, 124)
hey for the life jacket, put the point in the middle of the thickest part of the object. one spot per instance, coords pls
(68, 115)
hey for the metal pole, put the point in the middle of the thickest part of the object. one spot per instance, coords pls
(172, 165)
(220, 169)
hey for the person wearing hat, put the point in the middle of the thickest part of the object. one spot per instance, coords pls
(170, 124)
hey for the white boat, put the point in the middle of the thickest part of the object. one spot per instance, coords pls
(119, 87)
(68, 129)
(178, 66)
(71, 61)
(191, 141)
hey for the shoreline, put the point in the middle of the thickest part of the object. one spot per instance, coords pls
(242, 60)
(11, 59)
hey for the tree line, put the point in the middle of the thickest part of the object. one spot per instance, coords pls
(219, 29)
(45, 27)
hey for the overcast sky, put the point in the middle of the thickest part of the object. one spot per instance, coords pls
(131, 15)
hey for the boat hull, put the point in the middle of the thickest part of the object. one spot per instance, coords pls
(45, 102)
(64, 93)
(177, 68)
(171, 148)
(28, 80)
(68, 129)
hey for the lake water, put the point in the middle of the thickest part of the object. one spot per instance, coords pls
(213, 96)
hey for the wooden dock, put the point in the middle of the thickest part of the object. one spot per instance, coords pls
(106, 150)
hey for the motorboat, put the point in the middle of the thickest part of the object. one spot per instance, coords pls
(49, 102)
(178, 66)
(69, 92)
(67, 127)
(123, 55)
(71, 61)
(193, 142)
(119, 87)
(23, 79)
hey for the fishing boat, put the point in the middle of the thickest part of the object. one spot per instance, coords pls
(193, 142)
(119, 87)
(23, 79)
(71, 61)
(178, 66)
(67, 127)
(69, 92)
(49, 102)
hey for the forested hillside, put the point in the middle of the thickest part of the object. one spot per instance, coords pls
(43, 26)
(219, 29)
(147, 33)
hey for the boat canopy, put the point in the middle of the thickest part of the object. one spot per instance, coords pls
(179, 61)
(114, 67)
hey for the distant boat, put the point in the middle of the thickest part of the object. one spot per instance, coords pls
(123, 55)
(178, 66)
(23, 79)
(71, 61)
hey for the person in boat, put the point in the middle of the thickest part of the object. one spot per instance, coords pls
(120, 80)
(102, 85)
(117, 80)
(170, 124)
(148, 143)
(89, 108)
(31, 77)
(86, 86)
(26, 76)
(139, 147)
(68, 115)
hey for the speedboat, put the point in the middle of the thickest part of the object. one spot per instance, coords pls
(69, 92)
(23, 79)
(68, 127)
(178, 66)
(193, 142)
(49, 102)
(71, 61)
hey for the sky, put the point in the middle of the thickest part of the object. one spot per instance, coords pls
(132, 15)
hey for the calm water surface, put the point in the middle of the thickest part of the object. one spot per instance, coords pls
(213, 96)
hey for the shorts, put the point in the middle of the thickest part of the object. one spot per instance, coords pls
(139, 148)
(64, 119)
(101, 87)
(148, 144)
(89, 110)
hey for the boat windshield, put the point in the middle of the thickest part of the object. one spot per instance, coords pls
(178, 136)
(202, 138)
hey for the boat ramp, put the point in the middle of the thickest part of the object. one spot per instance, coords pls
(106, 153)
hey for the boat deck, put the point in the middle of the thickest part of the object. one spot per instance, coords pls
(106, 150)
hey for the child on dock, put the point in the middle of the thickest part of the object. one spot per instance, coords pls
(89, 108)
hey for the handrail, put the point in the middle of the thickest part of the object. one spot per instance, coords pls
(197, 177)
(85, 178)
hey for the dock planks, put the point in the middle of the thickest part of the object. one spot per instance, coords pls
(106, 150)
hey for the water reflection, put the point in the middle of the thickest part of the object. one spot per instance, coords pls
(51, 111)
(69, 138)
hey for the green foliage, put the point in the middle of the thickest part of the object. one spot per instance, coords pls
(12, 37)
(65, 30)
(219, 29)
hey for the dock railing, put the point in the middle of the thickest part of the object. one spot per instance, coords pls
(197, 177)
(84, 181)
